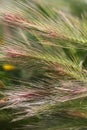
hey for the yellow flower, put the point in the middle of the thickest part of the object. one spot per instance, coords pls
(8, 67)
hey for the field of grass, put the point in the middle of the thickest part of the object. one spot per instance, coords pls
(43, 65)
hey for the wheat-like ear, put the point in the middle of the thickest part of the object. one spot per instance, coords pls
(57, 41)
